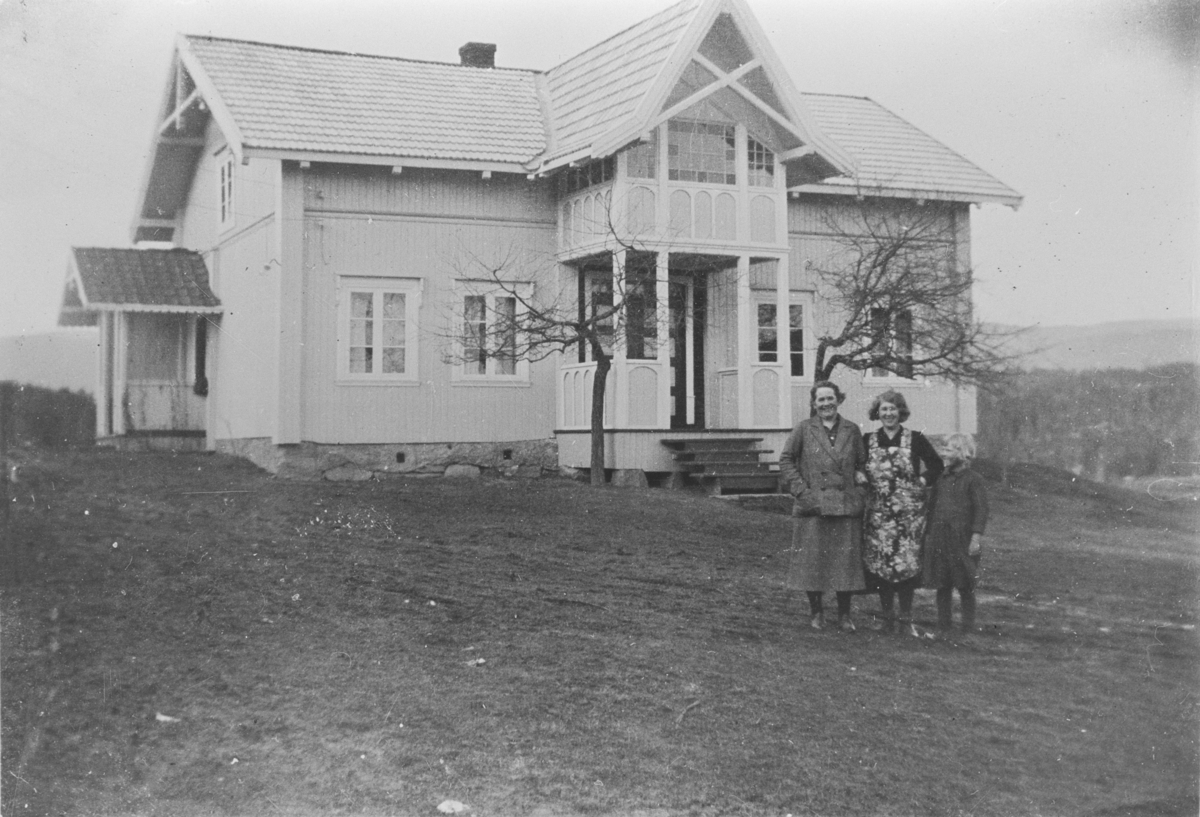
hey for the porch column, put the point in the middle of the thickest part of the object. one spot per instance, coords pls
(662, 291)
(783, 336)
(120, 369)
(745, 344)
(104, 383)
(618, 384)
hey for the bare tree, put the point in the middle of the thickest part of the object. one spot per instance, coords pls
(896, 297)
(537, 309)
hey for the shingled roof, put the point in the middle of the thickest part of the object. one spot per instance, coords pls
(604, 85)
(298, 99)
(288, 102)
(149, 280)
(895, 156)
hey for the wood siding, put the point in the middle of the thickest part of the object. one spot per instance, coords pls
(244, 270)
(432, 227)
(813, 222)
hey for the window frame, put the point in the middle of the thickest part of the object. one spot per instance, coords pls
(875, 373)
(797, 299)
(760, 159)
(489, 291)
(226, 189)
(694, 129)
(411, 288)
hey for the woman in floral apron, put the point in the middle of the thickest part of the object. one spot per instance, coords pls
(900, 463)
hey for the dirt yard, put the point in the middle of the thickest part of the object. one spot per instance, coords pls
(185, 635)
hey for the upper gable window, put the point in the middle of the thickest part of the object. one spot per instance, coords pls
(701, 152)
(642, 159)
(588, 174)
(225, 193)
(760, 164)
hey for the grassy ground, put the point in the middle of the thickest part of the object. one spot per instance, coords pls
(545, 648)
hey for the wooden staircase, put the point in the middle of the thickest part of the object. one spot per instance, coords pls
(724, 465)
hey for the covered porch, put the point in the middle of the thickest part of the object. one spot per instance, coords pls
(703, 346)
(153, 309)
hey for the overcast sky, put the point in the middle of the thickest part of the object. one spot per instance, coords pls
(1086, 107)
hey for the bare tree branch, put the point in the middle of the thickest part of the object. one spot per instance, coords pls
(897, 299)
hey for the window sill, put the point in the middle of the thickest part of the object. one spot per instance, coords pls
(490, 383)
(406, 382)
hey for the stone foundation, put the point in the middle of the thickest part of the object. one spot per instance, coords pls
(523, 459)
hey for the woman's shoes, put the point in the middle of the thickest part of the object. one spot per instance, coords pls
(845, 624)
(817, 622)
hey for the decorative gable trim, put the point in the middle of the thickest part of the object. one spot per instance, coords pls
(794, 118)
(220, 112)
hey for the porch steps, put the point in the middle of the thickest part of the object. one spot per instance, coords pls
(724, 465)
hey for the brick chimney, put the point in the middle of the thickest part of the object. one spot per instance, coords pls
(478, 55)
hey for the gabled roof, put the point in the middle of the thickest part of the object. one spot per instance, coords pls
(895, 158)
(304, 100)
(304, 104)
(149, 280)
(604, 85)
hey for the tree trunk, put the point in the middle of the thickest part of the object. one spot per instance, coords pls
(603, 364)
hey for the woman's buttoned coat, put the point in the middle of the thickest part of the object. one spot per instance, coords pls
(828, 507)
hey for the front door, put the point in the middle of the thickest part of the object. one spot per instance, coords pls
(686, 306)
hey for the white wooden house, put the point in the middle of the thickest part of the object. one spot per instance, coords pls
(325, 209)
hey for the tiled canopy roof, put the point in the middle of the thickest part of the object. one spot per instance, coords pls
(141, 280)
(892, 154)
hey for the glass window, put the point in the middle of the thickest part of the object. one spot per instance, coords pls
(641, 314)
(588, 174)
(768, 328)
(760, 164)
(796, 338)
(893, 330)
(642, 158)
(377, 328)
(489, 335)
(596, 302)
(768, 348)
(225, 193)
(701, 152)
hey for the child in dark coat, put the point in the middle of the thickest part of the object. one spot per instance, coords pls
(954, 538)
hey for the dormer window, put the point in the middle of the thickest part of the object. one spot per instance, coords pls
(760, 164)
(701, 152)
(226, 165)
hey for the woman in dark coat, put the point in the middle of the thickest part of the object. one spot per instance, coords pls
(900, 463)
(822, 465)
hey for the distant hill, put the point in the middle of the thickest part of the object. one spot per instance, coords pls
(1118, 345)
(57, 359)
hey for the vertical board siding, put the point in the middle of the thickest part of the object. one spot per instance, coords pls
(932, 403)
(243, 346)
(813, 224)
(438, 245)
(253, 197)
(421, 191)
(242, 359)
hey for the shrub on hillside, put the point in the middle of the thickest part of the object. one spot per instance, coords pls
(1105, 424)
(47, 417)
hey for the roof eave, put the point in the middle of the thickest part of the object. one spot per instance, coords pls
(139, 307)
(336, 157)
(1013, 200)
